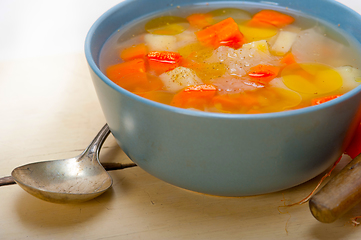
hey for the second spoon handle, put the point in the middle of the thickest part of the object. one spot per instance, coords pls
(339, 195)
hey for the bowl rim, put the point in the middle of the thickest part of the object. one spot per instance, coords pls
(161, 106)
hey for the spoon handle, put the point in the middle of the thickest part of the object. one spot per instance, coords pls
(339, 195)
(7, 181)
(93, 149)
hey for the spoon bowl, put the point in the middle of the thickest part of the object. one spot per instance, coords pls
(70, 180)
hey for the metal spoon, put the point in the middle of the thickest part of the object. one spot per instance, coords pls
(70, 180)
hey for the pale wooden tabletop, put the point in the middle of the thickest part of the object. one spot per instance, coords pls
(49, 110)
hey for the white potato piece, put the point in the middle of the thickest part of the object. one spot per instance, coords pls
(160, 42)
(284, 42)
(259, 46)
(351, 77)
(179, 78)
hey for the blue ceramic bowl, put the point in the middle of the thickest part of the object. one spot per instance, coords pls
(224, 154)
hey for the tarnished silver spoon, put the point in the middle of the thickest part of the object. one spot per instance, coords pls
(70, 180)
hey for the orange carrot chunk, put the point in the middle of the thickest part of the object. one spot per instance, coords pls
(128, 74)
(200, 20)
(320, 100)
(133, 52)
(264, 72)
(234, 102)
(273, 17)
(288, 59)
(224, 33)
(197, 96)
(163, 61)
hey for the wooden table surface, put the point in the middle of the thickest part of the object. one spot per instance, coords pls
(49, 110)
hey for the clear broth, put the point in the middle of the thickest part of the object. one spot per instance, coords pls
(133, 33)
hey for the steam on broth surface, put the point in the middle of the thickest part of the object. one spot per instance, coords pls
(239, 59)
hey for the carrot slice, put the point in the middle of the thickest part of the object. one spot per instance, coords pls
(288, 59)
(163, 61)
(128, 73)
(133, 52)
(234, 103)
(224, 33)
(200, 20)
(320, 100)
(264, 73)
(273, 17)
(197, 96)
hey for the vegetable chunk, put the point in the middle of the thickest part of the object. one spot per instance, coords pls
(160, 42)
(179, 78)
(166, 25)
(273, 17)
(318, 101)
(264, 73)
(134, 52)
(163, 61)
(284, 42)
(197, 96)
(200, 20)
(128, 74)
(224, 33)
(311, 78)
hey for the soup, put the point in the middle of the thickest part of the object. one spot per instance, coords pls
(233, 59)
